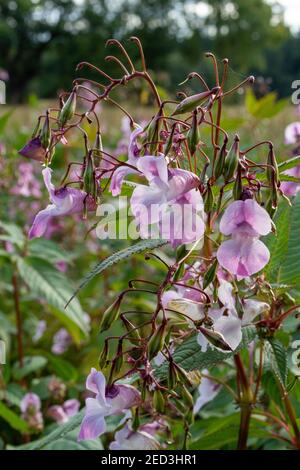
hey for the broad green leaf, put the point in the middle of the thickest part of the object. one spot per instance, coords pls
(12, 418)
(31, 364)
(189, 355)
(265, 107)
(13, 233)
(48, 250)
(59, 433)
(47, 283)
(278, 359)
(69, 442)
(117, 258)
(62, 368)
(288, 164)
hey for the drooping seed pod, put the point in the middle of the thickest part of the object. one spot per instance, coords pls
(238, 185)
(232, 159)
(133, 334)
(159, 401)
(46, 133)
(208, 199)
(68, 110)
(210, 274)
(191, 102)
(272, 169)
(193, 136)
(215, 338)
(110, 315)
(157, 340)
(220, 161)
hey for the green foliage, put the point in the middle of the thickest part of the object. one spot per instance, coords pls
(266, 107)
(12, 418)
(31, 364)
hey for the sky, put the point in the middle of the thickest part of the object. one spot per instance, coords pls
(291, 12)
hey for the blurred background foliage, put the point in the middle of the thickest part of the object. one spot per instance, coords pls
(41, 41)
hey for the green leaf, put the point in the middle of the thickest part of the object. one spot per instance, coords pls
(288, 164)
(12, 418)
(4, 120)
(189, 355)
(69, 442)
(59, 433)
(117, 258)
(63, 368)
(48, 283)
(31, 364)
(48, 250)
(13, 233)
(278, 360)
(266, 107)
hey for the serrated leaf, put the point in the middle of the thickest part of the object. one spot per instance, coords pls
(48, 250)
(49, 284)
(30, 364)
(288, 164)
(12, 418)
(278, 360)
(13, 233)
(117, 258)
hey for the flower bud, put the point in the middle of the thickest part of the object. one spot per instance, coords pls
(157, 340)
(46, 133)
(158, 401)
(193, 136)
(208, 200)
(191, 102)
(220, 162)
(238, 185)
(232, 159)
(110, 315)
(210, 274)
(68, 109)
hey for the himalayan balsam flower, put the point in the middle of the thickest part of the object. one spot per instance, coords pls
(170, 200)
(62, 414)
(39, 331)
(34, 150)
(107, 401)
(292, 133)
(290, 188)
(244, 254)
(30, 407)
(208, 390)
(64, 201)
(124, 170)
(127, 439)
(61, 341)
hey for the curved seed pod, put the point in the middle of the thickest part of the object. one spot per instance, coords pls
(219, 166)
(238, 185)
(208, 200)
(68, 109)
(232, 159)
(157, 340)
(191, 102)
(193, 136)
(46, 133)
(159, 401)
(272, 170)
(110, 315)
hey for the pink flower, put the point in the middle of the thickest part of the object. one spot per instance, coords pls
(292, 133)
(30, 406)
(62, 414)
(126, 439)
(289, 187)
(34, 150)
(244, 254)
(208, 390)
(61, 341)
(124, 170)
(108, 401)
(64, 201)
(170, 200)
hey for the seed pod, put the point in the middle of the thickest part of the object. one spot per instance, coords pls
(172, 376)
(153, 131)
(208, 200)
(157, 340)
(186, 396)
(158, 401)
(238, 185)
(182, 375)
(272, 170)
(191, 102)
(210, 274)
(215, 338)
(169, 142)
(103, 356)
(89, 179)
(189, 417)
(219, 166)
(232, 159)
(193, 136)
(46, 133)
(133, 334)
(110, 315)
(136, 420)
(118, 361)
(68, 109)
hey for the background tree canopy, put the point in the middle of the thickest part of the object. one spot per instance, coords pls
(52, 36)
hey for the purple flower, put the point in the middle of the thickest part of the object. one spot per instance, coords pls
(34, 150)
(108, 401)
(61, 341)
(124, 170)
(292, 133)
(170, 200)
(30, 406)
(62, 414)
(291, 188)
(40, 330)
(208, 390)
(27, 185)
(244, 254)
(64, 201)
(30, 402)
(127, 439)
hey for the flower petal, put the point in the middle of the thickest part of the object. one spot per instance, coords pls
(93, 424)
